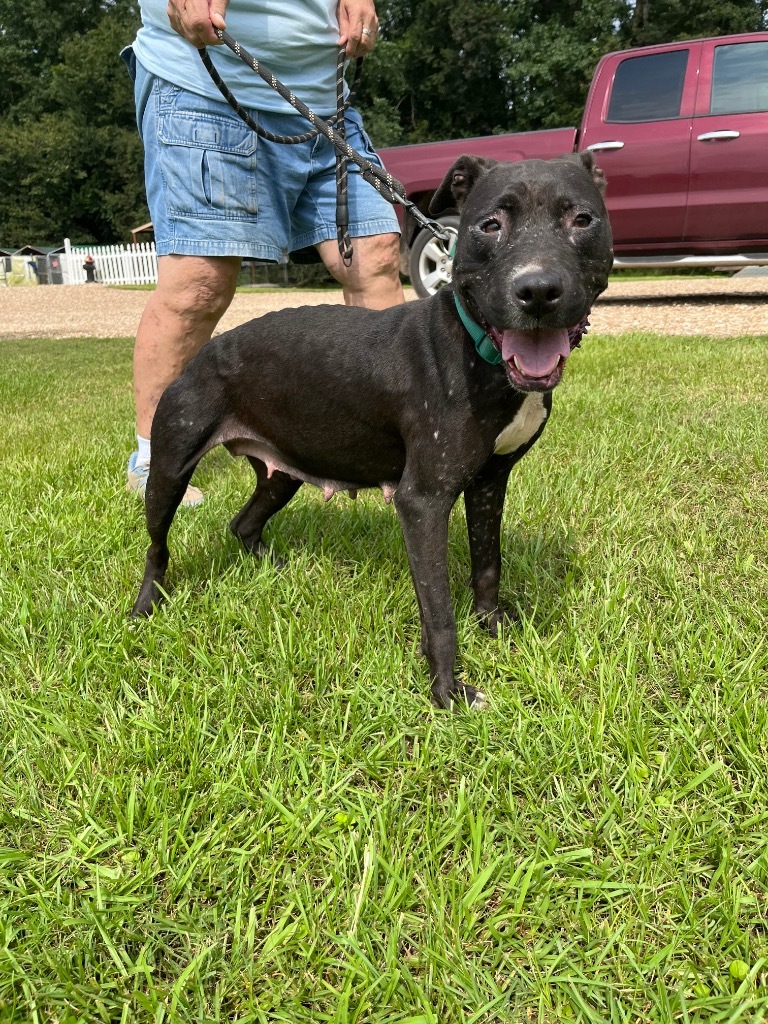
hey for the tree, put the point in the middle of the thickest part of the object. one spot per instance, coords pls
(654, 21)
(31, 35)
(550, 55)
(71, 158)
(438, 70)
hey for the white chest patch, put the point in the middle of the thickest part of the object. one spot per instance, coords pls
(528, 418)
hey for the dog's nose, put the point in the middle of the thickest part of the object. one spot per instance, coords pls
(538, 291)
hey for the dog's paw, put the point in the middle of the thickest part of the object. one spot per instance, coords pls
(478, 701)
(491, 621)
(261, 550)
(459, 697)
(471, 698)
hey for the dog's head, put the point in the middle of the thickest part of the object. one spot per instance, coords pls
(533, 253)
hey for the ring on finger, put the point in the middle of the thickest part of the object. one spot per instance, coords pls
(367, 32)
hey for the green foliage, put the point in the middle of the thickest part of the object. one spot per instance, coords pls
(71, 161)
(440, 67)
(654, 22)
(550, 55)
(31, 34)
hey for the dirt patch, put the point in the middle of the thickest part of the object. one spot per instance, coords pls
(723, 307)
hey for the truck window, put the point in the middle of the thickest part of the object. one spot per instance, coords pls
(648, 88)
(740, 78)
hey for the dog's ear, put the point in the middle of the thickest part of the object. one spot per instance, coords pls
(587, 160)
(459, 182)
(588, 163)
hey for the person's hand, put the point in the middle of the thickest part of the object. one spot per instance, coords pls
(195, 20)
(358, 26)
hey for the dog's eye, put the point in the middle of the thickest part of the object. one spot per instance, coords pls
(582, 220)
(491, 226)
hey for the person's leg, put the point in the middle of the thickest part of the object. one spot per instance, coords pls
(206, 213)
(373, 278)
(192, 294)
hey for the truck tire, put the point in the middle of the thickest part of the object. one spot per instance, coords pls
(429, 264)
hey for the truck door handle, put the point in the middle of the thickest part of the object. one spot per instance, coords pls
(599, 147)
(717, 136)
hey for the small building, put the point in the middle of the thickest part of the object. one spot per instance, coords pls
(40, 264)
(143, 229)
(5, 264)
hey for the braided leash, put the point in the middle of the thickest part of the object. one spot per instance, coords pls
(342, 206)
(385, 184)
(257, 66)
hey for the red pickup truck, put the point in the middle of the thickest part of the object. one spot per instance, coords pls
(681, 131)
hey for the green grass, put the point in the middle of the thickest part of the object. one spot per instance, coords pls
(668, 273)
(245, 809)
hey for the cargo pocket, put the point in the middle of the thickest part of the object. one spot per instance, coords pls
(359, 140)
(208, 162)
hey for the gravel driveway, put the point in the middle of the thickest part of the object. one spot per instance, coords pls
(723, 307)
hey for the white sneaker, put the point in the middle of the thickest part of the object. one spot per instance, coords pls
(137, 483)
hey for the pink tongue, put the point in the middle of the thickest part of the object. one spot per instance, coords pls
(537, 353)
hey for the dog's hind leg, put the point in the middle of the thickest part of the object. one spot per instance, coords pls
(180, 438)
(163, 497)
(271, 494)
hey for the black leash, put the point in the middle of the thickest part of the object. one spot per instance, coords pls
(387, 186)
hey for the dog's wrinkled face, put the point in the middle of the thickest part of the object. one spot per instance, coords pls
(533, 253)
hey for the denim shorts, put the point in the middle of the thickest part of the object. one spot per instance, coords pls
(214, 188)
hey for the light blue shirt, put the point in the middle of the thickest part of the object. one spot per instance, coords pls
(295, 39)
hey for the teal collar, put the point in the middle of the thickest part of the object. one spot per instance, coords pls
(483, 344)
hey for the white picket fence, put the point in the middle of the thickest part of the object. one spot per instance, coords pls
(115, 264)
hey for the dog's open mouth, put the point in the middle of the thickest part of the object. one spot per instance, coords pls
(534, 360)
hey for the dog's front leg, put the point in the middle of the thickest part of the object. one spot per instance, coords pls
(484, 504)
(424, 521)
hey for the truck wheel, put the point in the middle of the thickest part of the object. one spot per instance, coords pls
(429, 265)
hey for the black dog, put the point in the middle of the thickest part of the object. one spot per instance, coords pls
(403, 399)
